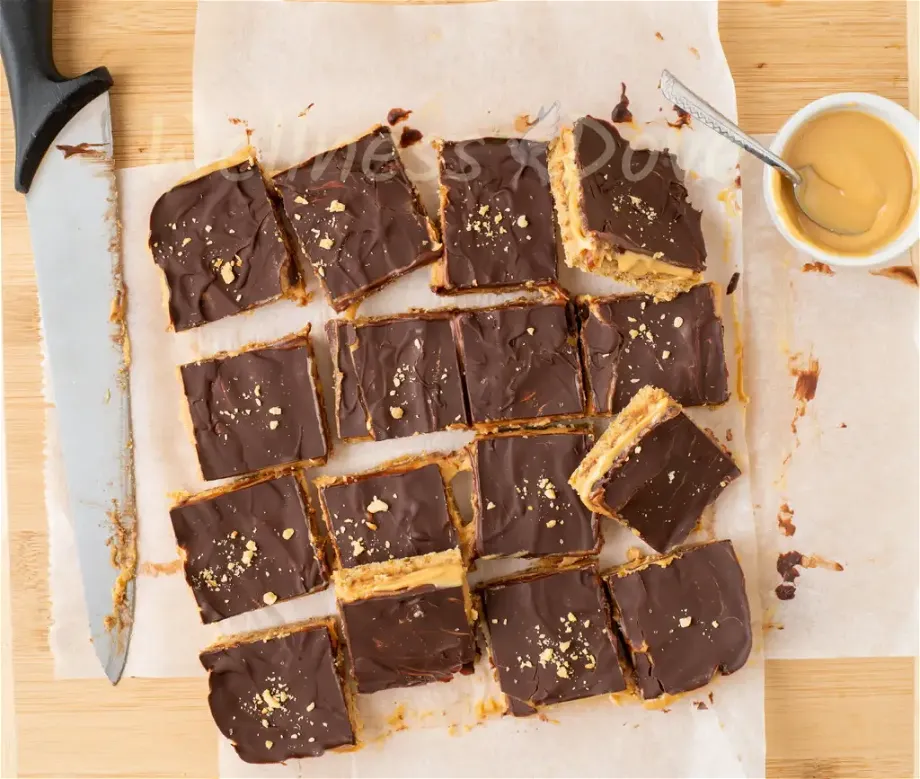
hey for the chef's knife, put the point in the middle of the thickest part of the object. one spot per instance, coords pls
(65, 168)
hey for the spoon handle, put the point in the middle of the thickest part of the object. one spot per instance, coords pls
(699, 109)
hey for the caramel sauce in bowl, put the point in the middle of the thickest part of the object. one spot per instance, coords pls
(858, 154)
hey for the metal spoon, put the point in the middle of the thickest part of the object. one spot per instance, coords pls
(823, 203)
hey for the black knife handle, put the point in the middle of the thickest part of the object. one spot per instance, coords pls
(43, 100)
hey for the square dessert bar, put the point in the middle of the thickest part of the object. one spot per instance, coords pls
(219, 244)
(630, 341)
(247, 545)
(497, 217)
(279, 694)
(551, 639)
(523, 504)
(654, 470)
(357, 218)
(257, 408)
(623, 212)
(400, 376)
(407, 622)
(684, 617)
(520, 364)
(403, 508)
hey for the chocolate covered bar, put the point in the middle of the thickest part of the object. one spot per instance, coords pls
(407, 622)
(279, 694)
(220, 247)
(400, 509)
(399, 376)
(257, 408)
(248, 545)
(520, 364)
(357, 218)
(630, 341)
(623, 212)
(654, 470)
(684, 617)
(497, 217)
(523, 505)
(551, 639)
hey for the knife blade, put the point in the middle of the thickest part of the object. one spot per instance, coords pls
(71, 201)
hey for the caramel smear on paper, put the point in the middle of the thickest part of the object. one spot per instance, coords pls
(160, 569)
(784, 520)
(523, 122)
(82, 150)
(818, 267)
(806, 385)
(902, 273)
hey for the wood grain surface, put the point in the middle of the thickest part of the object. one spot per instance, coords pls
(824, 718)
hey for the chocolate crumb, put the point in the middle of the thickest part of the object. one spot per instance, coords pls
(700, 705)
(397, 115)
(306, 110)
(621, 112)
(843, 425)
(787, 566)
(410, 136)
(659, 36)
(733, 283)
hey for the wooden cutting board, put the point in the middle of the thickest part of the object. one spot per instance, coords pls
(824, 718)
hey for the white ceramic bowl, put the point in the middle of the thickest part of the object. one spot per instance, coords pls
(899, 118)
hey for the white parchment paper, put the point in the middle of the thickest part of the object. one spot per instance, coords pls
(847, 478)
(464, 71)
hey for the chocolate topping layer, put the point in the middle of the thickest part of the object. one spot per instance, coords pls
(684, 620)
(256, 409)
(635, 198)
(350, 414)
(219, 245)
(419, 636)
(357, 217)
(304, 711)
(382, 517)
(497, 214)
(520, 362)
(631, 341)
(524, 504)
(661, 488)
(240, 545)
(409, 376)
(551, 639)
